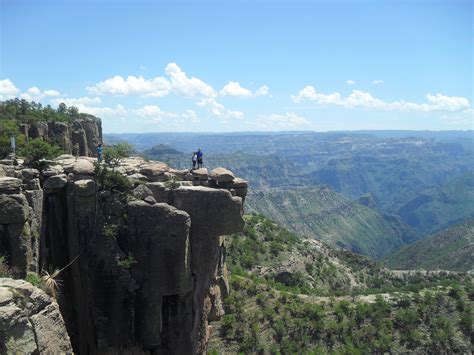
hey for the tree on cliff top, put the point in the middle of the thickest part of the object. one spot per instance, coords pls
(114, 154)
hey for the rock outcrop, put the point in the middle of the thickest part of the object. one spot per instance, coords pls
(79, 137)
(148, 271)
(30, 321)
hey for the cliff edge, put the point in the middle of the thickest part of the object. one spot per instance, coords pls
(144, 245)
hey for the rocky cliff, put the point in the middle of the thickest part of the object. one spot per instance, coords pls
(79, 137)
(147, 258)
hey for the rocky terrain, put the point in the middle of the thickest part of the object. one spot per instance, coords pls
(79, 137)
(30, 321)
(139, 246)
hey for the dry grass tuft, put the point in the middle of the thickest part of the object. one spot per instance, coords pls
(51, 282)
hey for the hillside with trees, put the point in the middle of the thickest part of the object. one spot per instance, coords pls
(450, 249)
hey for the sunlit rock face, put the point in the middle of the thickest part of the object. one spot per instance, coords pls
(149, 268)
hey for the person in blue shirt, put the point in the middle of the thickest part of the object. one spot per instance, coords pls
(99, 153)
(199, 158)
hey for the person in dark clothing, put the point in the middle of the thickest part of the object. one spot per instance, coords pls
(199, 158)
(194, 158)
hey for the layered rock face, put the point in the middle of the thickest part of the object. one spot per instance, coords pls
(150, 263)
(80, 137)
(30, 321)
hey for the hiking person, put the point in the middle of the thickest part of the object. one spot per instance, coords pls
(99, 153)
(194, 158)
(199, 158)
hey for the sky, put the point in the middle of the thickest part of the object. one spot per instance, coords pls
(223, 66)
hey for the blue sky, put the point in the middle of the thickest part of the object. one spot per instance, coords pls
(145, 66)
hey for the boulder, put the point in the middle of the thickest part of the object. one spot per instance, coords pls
(240, 183)
(55, 182)
(29, 174)
(84, 188)
(80, 167)
(10, 185)
(51, 170)
(141, 192)
(154, 169)
(30, 321)
(222, 175)
(14, 210)
(200, 174)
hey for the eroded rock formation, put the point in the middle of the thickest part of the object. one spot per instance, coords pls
(150, 269)
(80, 137)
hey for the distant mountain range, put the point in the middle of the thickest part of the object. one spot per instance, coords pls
(422, 179)
(450, 249)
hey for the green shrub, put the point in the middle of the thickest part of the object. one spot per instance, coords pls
(36, 149)
(127, 262)
(114, 154)
(34, 279)
(110, 230)
(112, 180)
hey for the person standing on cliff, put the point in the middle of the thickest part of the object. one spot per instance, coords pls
(199, 158)
(99, 153)
(194, 159)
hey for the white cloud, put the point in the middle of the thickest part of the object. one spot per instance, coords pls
(377, 82)
(35, 94)
(233, 88)
(190, 115)
(262, 91)
(361, 99)
(117, 111)
(188, 87)
(77, 101)
(132, 85)
(219, 110)
(309, 93)
(177, 82)
(7, 89)
(289, 120)
(350, 82)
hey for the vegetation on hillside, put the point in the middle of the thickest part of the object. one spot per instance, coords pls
(321, 213)
(439, 207)
(451, 249)
(335, 301)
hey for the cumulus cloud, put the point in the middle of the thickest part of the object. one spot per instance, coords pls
(35, 94)
(288, 120)
(233, 88)
(350, 82)
(177, 82)
(377, 82)
(7, 89)
(132, 85)
(362, 99)
(184, 86)
(218, 110)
